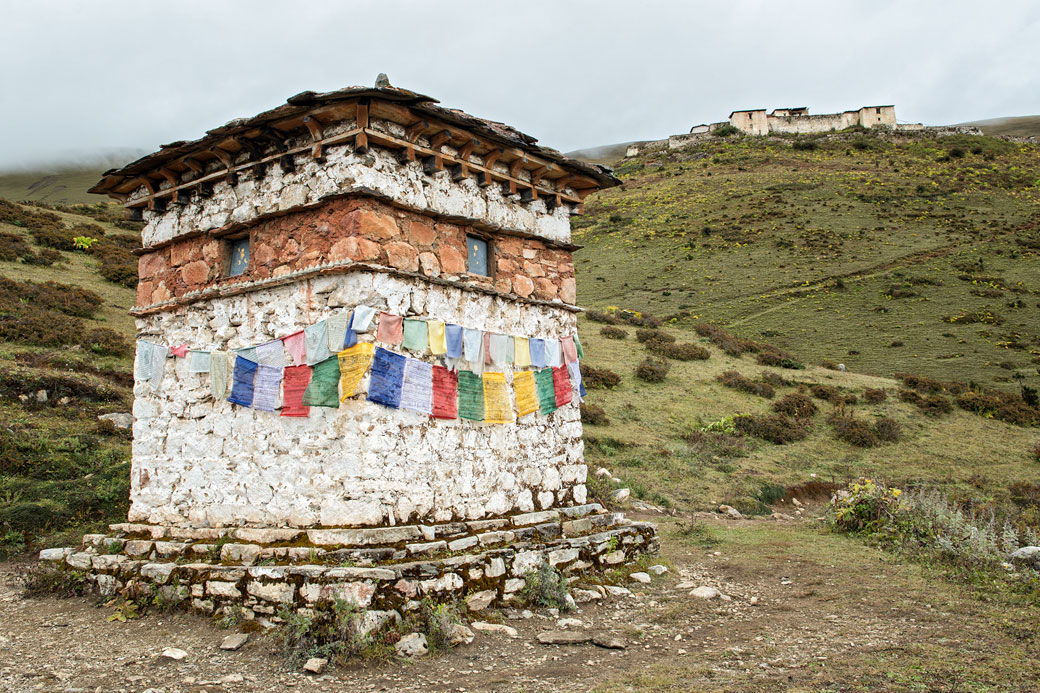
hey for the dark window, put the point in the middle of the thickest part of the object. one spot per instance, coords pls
(879, 112)
(239, 259)
(477, 254)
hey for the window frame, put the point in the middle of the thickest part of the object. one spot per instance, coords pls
(230, 245)
(488, 255)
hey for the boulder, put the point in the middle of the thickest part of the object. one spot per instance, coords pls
(174, 654)
(609, 641)
(1027, 555)
(119, 419)
(459, 634)
(315, 665)
(621, 495)
(233, 642)
(564, 637)
(483, 627)
(730, 511)
(412, 645)
(643, 578)
(658, 569)
(705, 592)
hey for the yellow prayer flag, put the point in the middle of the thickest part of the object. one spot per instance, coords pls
(497, 405)
(521, 352)
(353, 362)
(438, 344)
(526, 392)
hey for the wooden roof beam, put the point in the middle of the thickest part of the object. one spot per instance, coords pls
(192, 165)
(361, 139)
(489, 164)
(317, 131)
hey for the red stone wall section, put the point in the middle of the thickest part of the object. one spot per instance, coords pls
(364, 231)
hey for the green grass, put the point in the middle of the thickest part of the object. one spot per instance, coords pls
(801, 247)
(65, 186)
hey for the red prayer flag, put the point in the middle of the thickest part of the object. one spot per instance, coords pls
(296, 345)
(445, 393)
(570, 352)
(562, 385)
(294, 381)
(180, 351)
(487, 349)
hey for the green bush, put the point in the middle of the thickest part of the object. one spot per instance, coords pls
(652, 370)
(737, 381)
(775, 428)
(613, 332)
(545, 587)
(648, 335)
(593, 415)
(12, 247)
(795, 404)
(874, 395)
(679, 352)
(725, 131)
(599, 378)
(930, 405)
(854, 431)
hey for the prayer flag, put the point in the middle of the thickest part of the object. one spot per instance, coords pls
(390, 329)
(510, 345)
(570, 353)
(562, 386)
(537, 352)
(486, 348)
(362, 318)
(199, 362)
(248, 353)
(546, 391)
(526, 392)
(266, 387)
(294, 382)
(472, 341)
(417, 386)
(453, 338)
(350, 337)
(575, 372)
(415, 335)
(553, 354)
(180, 351)
(521, 352)
(323, 389)
(438, 343)
(159, 354)
(271, 354)
(353, 362)
(338, 323)
(218, 374)
(244, 377)
(296, 345)
(498, 407)
(445, 393)
(577, 345)
(317, 337)
(499, 349)
(143, 364)
(387, 375)
(471, 396)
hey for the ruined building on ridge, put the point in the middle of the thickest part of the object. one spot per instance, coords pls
(357, 345)
(798, 121)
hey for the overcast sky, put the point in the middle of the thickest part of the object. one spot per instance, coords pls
(83, 77)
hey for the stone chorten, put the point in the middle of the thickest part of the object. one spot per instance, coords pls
(362, 196)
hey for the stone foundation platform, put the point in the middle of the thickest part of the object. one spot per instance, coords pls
(383, 570)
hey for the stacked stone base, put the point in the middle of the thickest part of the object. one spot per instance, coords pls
(262, 574)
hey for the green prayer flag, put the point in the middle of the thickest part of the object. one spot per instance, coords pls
(471, 395)
(577, 345)
(415, 335)
(546, 391)
(323, 390)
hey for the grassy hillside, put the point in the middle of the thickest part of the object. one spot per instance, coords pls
(66, 186)
(65, 358)
(885, 254)
(1019, 126)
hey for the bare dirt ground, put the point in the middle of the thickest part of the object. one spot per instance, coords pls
(805, 610)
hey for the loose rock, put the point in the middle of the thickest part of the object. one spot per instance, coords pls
(119, 419)
(233, 642)
(174, 653)
(609, 641)
(730, 510)
(658, 569)
(643, 578)
(705, 592)
(566, 623)
(484, 627)
(412, 645)
(622, 494)
(315, 665)
(459, 634)
(564, 637)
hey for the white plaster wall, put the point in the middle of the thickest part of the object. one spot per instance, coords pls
(343, 170)
(203, 463)
(812, 123)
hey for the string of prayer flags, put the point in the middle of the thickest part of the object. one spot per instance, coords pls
(353, 362)
(510, 344)
(526, 392)
(384, 387)
(296, 345)
(267, 387)
(546, 390)
(143, 364)
(361, 319)
(497, 405)
(453, 339)
(350, 338)
(317, 337)
(323, 389)
(445, 393)
(486, 348)
(271, 354)
(294, 383)
(218, 374)
(198, 361)
(159, 354)
(553, 353)
(438, 342)
(338, 323)
(472, 341)
(390, 329)
(180, 351)
(577, 346)
(243, 379)
(562, 386)
(521, 352)
(537, 349)
(417, 386)
(499, 349)
(415, 335)
(570, 352)
(575, 372)
(249, 354)
(471, 396)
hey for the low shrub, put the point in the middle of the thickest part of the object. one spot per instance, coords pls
(775, 428)
(732, 345)
(679, 352)
(44, 258)
(795, 404)
(853, 431)
(118, 263)
(64, 298)
(593, 415)
(930, 405)
(887, 429)
(42, 580)
(828, 393)
(639, 319)
(1035, 453)
(829, 365)
(601, 317)
(648, 335)
(1004, 406)
(776, 380)
(546, 587)
(653, 370)
(725, 131)
(735, 380)
(599, 378)
(613, 332)
(778, 359)
(982, 317)
(13, 246)
(57, 238)
(874, 395)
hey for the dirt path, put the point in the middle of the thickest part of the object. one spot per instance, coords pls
(803, 610)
